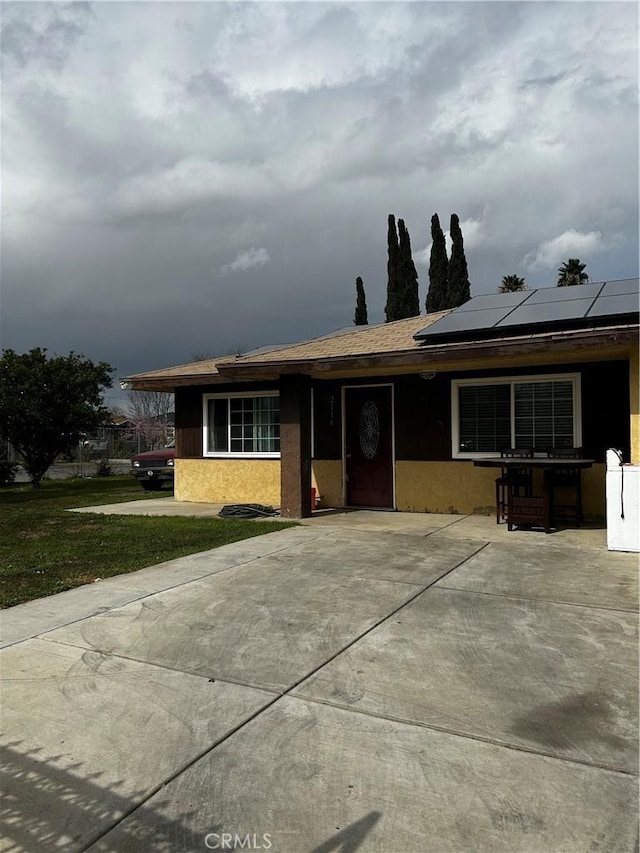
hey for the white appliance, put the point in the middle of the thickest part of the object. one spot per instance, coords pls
(623, 506)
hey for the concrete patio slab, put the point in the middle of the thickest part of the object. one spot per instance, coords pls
(592, 535)
(270, 622)
(44, 614)
(474, 720)
(575, 575)
(420, 523)
(553, 678)
(408, 558)
(264, 625)
(167, 505)
(307, 777)
(88, 737)
(33, 617)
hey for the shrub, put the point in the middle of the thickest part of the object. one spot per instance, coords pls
(103, 469)
(7, 471)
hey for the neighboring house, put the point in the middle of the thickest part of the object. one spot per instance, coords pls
(389, 416)
(120, 422)
(122, 436)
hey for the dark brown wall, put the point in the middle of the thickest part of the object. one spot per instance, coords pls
(189, 413)
(188, 422)
(423, 411)
(423, 417)
(295, 446)
(605, 408)
(327, 420)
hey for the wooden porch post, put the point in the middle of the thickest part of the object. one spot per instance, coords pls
(295, 446)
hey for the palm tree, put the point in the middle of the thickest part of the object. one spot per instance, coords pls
(512, 284)
(572, 272)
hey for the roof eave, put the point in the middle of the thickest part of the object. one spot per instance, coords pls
(420, 357)
(423, 356)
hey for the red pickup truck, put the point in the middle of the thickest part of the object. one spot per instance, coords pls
(154, 468)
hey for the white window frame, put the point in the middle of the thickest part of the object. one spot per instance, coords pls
(575, 378)
(228, 454)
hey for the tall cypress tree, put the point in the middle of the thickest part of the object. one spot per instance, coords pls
(391, 308)
(408, 302)
(458, 287)
(360, 318)
(438, 267)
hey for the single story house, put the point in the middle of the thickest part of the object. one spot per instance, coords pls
(389, 416)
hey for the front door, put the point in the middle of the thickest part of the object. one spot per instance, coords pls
(369, 447)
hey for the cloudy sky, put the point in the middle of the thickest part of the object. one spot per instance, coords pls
(199, 177)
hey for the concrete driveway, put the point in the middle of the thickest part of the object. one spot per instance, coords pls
(366, 682)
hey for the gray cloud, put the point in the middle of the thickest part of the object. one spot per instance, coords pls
(44, 37)
(183, 177)
(250, 259)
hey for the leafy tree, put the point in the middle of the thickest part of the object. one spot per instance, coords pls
(512, 284)
(393, 264)
(360, 318)
(408, 301)
(438, 266)
(458, 287)
(46, 404)
(572, 272)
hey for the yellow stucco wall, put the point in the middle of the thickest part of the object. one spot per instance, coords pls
(459, 487)
(327, 479)
(634, 394)
(447, 487)
(228, 480)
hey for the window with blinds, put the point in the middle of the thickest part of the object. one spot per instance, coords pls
(543, 414)
(485, 418)
(492, 415)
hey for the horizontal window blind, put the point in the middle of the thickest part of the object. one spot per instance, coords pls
(543, 414)
(529, 413)
(485, 418)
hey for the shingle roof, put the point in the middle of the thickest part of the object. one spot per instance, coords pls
(362, 340)
(352, 341)
(383, 344)
(193, 368)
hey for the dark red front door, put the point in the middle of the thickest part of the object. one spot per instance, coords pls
(368, 447)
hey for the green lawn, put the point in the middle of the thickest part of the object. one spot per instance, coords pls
(44, 549)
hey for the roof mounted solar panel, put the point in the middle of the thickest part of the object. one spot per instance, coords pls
(612, 306)
(565, 294)
(547, 312)
(494, 300)
(617, 288)
(464, 321)
(528, 312)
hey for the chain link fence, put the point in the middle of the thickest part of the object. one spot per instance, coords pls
(109, 443)
(118, 443)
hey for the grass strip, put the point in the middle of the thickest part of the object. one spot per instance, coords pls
(44, 549)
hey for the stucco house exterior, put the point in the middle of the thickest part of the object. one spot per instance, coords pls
(389, 416)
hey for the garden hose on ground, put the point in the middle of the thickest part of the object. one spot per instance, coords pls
(248, 511)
